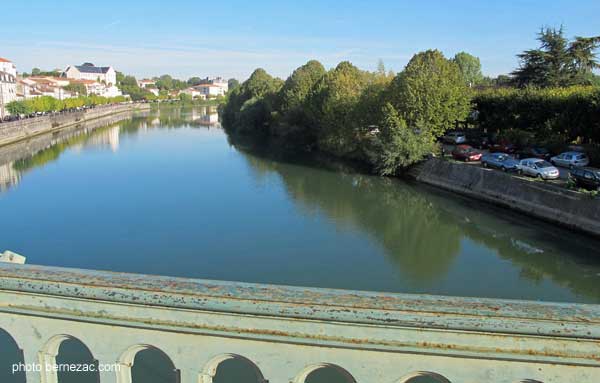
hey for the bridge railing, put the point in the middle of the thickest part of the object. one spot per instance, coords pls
(196, 330)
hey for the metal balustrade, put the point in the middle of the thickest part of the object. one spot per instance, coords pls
(197, 329)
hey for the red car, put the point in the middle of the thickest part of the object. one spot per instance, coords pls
(502, 147)
(466, 153)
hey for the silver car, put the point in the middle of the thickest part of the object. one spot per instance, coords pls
(570, 159)
(455, 138)
(501, 161)
(539, 168)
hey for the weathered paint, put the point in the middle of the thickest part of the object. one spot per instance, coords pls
(285, 330)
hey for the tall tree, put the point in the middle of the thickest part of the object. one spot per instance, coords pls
(396, 145)
(470, 67)
(557, 62)
(430, 92)
(296, 88)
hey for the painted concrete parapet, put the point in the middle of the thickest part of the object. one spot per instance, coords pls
(14, 131)
(287, 333)
(548, 202)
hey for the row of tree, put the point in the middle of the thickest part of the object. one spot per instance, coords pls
(389, 121)
(51, 104)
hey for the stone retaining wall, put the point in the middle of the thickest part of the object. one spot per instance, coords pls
(557, 205)
(19, 130)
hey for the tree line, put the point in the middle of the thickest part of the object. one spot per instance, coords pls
(51, 104)
(393, 120)
(389, 121)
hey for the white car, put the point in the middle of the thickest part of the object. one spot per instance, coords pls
(455, 138)
(539, 168)
(571, 159)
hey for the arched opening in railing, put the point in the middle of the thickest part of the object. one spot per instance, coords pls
(147, 364)
(324, 373)
(424, 377)
(232, 368)
(66, 359)
(11, 355)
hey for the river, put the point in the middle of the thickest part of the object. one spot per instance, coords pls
(169, 194)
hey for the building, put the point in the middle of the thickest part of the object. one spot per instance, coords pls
(194, 93)
(145, 83)
(8, 85)
(89, 71)
(210, 90)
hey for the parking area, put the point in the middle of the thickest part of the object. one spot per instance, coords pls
(561, 181)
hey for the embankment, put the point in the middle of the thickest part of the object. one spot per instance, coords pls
(548, 202)
(14, 131)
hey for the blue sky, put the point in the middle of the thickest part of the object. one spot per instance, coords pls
(232, 38)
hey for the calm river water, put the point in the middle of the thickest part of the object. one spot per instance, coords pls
(168, 194)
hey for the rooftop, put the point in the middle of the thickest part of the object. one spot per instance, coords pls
(91, 68)
(3, 60)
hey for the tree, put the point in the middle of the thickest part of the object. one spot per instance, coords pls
(18, 107)
(397, 145)
(77, 87)
(165, 82)
(583, 59)
(380, 67)
(232, 83)
(470, 68)
(430, 91)
(194, 81)
(557, 62)
(36, 71)
(250, 106)
(296, 88)
(331, 108)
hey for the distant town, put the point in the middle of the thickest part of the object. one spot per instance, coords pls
(104, 81)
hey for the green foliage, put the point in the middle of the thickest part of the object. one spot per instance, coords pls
(296, 89)
(232, 83)
(395, 145)
(250, 106)
(51, 104)
(166, 82)
(129, 85)
(194, 81)
(78, 88)
(332, 105)
(431, 91)
(184, 97)
(557, 62)
(470, 68)
(568, 114)
(18, 107)
(338, 111)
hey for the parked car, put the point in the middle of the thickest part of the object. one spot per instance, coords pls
(502, 147)
(455, 138)
(480, 141)
(571, 159)
(588, 178)
(539, 168)
(466, 153)
(501, 161)
(534, 152)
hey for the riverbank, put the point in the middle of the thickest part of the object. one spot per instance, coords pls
(15, 131)
(553, 204)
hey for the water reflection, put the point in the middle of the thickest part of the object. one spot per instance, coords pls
(122, 196)
(24, 156)
(424, 230)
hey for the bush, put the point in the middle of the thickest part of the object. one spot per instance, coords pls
(572, 113)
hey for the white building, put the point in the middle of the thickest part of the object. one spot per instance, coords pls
(8, 84)
(210, 90)
(194, 93)
(145, 83)
(89, 71)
